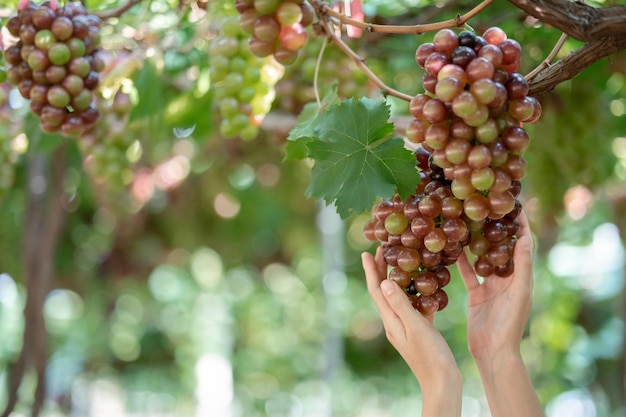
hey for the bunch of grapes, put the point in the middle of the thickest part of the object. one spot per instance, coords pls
(54, 63)
(469, 125)
(3, 70)
(8, 156)
(276, 27)
(105, 144)
(243, 83)
(421, 236)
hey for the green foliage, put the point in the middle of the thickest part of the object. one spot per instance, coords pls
(355, 160)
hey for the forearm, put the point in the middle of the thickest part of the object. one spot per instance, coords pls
(443, 399)
(508, 387)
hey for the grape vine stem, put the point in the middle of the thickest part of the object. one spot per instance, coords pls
(548, 61)
(317, 72)
(458, 21)
(360, 62)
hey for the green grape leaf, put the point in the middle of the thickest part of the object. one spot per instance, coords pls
(304, 131)
(356, 161)
(150, 92)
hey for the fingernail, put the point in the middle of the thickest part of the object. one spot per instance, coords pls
(387, 287)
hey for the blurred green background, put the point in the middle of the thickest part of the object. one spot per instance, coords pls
(191, 276)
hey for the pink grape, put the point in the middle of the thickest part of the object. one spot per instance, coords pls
(427, 304)
(476, 207)
(445, 41)
(494, 35)
(456, 150)
(464, 104)
(416, 130)
(492, 53)
(454, 71)
(293, 37)
(423, 52)
(484, 90)
(461, 130)
(409, 260)
(400, 276)
(515, 139)
(511, 51)
(417, 104)
(479, 69)
(436, 135)
(426, 283)
(435, 62)
(449, 88)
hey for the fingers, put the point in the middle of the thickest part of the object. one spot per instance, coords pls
(523, 258)
(396, 311)
(400, 304)
(525, 229)
(467, 272)
(374, 278)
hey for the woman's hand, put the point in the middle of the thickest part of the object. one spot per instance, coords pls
(498, 308)
(417, 340)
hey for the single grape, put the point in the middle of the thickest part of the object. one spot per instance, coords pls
(396, 223)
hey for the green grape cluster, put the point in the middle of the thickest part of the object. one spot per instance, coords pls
(3, 69)
(296, 88)
(276, 27)
(8, 156)
(55, 63)
(469, 128)
(105, 144)
(243, 83)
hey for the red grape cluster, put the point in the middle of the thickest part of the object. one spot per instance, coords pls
(54, 63)
(469, 126)
(421, 236)
(276, 27)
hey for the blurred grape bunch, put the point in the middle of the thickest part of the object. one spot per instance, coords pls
(3, 68)
(54, 63)
(8, 132)
(109, 147)
(297, 87)
(243, 84)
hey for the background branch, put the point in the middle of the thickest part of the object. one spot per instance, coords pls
(117, 12)
(577, 19)
(574, 63)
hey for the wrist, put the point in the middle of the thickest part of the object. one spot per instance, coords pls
(442, 395)
(491, 363)
(491, 356)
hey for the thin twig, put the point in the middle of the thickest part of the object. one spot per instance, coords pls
(318, 64)
(458, 21)
(360, 62)
(117, 12)
(548, 61)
